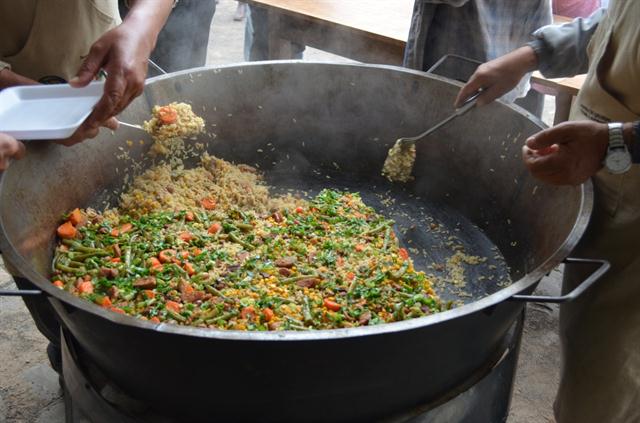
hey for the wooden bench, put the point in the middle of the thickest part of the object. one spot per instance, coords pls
(374, 31)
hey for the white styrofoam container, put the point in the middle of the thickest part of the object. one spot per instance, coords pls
(37, 112)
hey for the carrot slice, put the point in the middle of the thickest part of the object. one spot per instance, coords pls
(85, 287)
(166, 256)
(214, 228)
(189, 217)
(76, 218)
(155, 319)
(149, 293)
(117, 310)
(67, 231)
(403, 253)
(268, 314)
(248, 312)
(173, 306)
(167, 115)
(126, 228)
(58, 283)
(208, 203)
(359, 247)
(331, 305)
(186, 236)
(350, 276)
(104, 301)
(116, 260)
(188, 267)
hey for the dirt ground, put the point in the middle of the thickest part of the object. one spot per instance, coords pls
(29, 390)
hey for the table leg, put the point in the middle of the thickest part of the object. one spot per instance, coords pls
(279, 48)
(563, 107)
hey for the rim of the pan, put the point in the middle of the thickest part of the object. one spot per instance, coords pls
(504, 294)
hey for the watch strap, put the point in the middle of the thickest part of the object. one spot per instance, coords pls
(635, 145)
(616, 139)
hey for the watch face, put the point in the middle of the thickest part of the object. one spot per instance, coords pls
(618, 161)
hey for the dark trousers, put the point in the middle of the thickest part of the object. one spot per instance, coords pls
(183, 41)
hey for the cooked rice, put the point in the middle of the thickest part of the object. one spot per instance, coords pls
(187, 124)
(168, 188)
(399, 163)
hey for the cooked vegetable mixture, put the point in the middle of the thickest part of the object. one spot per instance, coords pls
(332, 262)
(399, 162)
(171, 123)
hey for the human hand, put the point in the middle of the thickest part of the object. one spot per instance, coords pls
(88, 131)
(123, 53)
(499, 76)
(567, 154)
(9, 148)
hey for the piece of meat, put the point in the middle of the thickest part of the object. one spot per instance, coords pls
(287, 262)
(148, 282)
(113, 292)
(116, 250)
(192, 297)
(247, 169)
(284, 271)
(364, 318)
(277, 217)
(308, 283)
(108, 272)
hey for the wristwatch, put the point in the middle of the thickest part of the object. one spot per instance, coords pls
(618, 158)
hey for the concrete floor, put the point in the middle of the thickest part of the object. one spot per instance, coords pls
(29, 390)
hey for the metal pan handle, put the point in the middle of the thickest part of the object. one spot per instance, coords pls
(577, 291)
(446, 57)
(20, 292)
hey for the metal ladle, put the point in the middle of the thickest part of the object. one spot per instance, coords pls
(466, 106)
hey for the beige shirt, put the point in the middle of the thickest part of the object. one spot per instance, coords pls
(600, 331)
(47, 40)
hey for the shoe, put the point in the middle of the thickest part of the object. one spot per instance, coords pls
(241, 12)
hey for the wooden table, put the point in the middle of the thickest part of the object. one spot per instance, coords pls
(371, 31)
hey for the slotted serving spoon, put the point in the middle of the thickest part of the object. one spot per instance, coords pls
(466, 106)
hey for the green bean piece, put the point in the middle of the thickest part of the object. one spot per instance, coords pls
(223, 318)
(84, 256)
(76, 271)
(387, 236)
(217, 292)
(294, 279)
(353, 285)
(378, 228)
(176, 316)
(306, 311)
(246, 227)
(235, 238)
(79, 247)
(400, 273)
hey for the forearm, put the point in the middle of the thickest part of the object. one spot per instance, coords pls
(148, 17)
(8, 78)
(562, 49)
